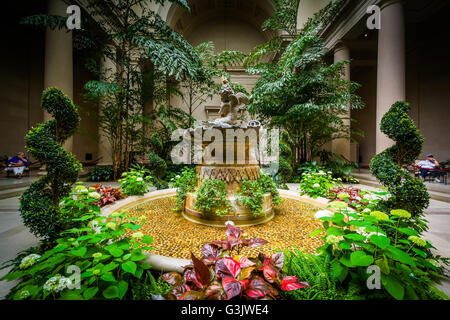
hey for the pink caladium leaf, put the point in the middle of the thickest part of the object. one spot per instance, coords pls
(244, 262)
(277, 260)
(201, 271)
(232, 287)
(178, 291)
(173, 278)
(292, 283)
(270, 273)
(258, 289)
(256, 242)
(211, 251)
(233, 232)
(227, 267)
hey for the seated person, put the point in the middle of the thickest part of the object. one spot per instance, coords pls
(18, 164)
(425, 165)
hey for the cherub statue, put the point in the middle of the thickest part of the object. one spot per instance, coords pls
(230, 104)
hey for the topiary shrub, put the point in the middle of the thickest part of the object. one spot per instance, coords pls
(39, 204)
(158, 165)
(389, 166)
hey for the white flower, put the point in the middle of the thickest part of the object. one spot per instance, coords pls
(94, 195)
(139, 179)
(29, 260)
(74, 197)
(316, 185)
(57, 283)
(323, 213)
(321, 173)
(366, 210)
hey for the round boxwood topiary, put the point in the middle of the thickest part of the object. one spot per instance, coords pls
(39, 204)
(389, 166)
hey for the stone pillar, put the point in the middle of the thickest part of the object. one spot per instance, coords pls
(391, 64)
(342, 146)
(104, 146)
(58, 70)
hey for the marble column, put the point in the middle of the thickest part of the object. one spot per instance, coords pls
(58, 70)
(391, 64)
(342, 146)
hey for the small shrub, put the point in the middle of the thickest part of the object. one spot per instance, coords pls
(135, 182)
(318, 184)
(252, 193)
(101, 173)
(185, 182)
(211, 197)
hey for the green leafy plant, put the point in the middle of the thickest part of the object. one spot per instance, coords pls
(109, 262)
(318, 184)
(212, 197)
(135, 182)
(39, 204)
(185, 182)
(355, 241)
(101, 173)
(252, 193)
(389, 166)
(301, 93)
(222, 275)
(315, 270)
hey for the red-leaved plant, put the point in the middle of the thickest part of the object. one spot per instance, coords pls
(219, 275)
(108, 195)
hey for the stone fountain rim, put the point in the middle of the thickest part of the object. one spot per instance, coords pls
(170, 264)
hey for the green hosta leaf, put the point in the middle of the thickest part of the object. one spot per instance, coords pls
(147, 239)
(129, 266)
(408, 231)
(393, 286)
(110, 266)
(400, 255)
(70, 295)
(355, 237)
(380, 241)
(338, 271)
(383, 265)
(80, 252)
(334, 231)
(111, 292)
(115, 252)
(138, 256)
(90, 293)
(345, 245)
(316, 232)
(345, 260)
(108, 277)
(360, 258)
(419, 252)
(123, 287)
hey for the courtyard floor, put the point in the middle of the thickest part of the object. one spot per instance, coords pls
(15, 237)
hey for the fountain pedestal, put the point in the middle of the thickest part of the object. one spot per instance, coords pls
(231, 157)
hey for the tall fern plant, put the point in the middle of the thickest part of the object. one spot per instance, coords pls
(301, 93)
